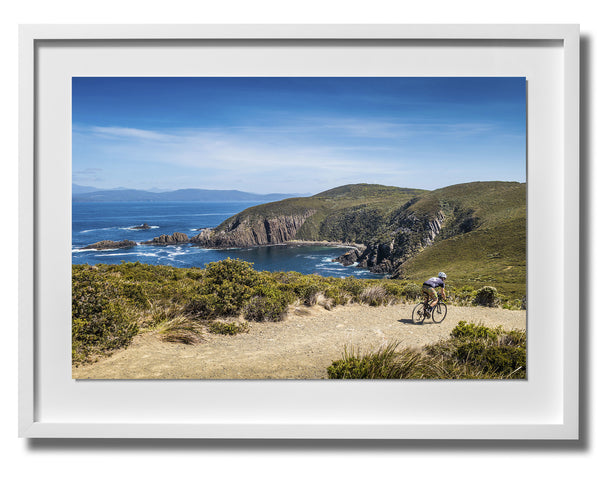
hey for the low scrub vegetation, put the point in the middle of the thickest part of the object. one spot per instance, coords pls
(472, 352)
(113, 303)
(228, 328)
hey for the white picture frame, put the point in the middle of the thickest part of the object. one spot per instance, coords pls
(545, 406)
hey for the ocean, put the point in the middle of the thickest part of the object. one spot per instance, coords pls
(95, 221)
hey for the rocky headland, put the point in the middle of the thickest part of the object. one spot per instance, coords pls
(250, 232)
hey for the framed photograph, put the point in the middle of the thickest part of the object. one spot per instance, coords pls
(299, 231)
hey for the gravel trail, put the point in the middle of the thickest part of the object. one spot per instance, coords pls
(300, 347)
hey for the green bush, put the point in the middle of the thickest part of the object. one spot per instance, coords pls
(487, 297)
(412, 291)
(354, 287)
(472, 352)
(101, 319)
(337, 295)
(270, 306)
(225, 289)
(473, 331)
(228, 328)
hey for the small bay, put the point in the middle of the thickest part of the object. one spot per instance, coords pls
(96, 221)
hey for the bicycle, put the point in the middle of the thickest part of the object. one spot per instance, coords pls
(438, 314)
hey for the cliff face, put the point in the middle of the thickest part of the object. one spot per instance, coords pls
(410, 233)
(249, 231)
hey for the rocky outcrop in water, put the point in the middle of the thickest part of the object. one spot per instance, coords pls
(144, 226)
(110, 245)
(253, 231)
(174, 239)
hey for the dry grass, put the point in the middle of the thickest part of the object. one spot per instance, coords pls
(181, 330)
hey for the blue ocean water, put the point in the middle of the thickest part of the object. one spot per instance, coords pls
(95, 221)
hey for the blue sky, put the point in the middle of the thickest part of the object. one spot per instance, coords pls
(296, 134)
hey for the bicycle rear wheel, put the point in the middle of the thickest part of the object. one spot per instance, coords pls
(439, 312)
(418, 313)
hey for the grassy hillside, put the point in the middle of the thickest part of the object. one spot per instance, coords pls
(329, 207)
(483, 241)
(475, 232)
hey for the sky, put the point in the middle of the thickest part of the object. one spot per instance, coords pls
(296, 134)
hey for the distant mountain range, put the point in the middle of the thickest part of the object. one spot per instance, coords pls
(83, 193)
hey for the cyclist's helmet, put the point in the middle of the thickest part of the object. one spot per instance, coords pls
(442, 275)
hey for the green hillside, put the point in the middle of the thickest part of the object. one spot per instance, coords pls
(331, 206)
(475, 232)
(483, 241)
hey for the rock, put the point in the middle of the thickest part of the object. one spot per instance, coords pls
(174, 239)
(247, 232)
(348, 258)
(144, 226)
(109, 245)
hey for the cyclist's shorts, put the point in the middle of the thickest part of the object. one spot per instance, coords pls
(430, 291)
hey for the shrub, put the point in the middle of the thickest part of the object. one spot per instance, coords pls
(135, 293)
(228, 328)
(226, 287)
(337, 296)
(412, 291)
(473, 351)
(487, 297)
(271, 306)
(473, 331)
(101, 319)
(306, 290)
(354, 287)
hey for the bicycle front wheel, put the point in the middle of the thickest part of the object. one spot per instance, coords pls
(418, 313)
(439, 312)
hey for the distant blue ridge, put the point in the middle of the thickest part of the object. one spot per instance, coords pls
(91, 194)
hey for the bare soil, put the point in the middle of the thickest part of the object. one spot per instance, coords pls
(300, 347)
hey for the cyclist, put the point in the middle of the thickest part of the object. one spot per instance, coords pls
(429, 290)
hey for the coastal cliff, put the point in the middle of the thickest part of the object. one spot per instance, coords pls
(248, 231)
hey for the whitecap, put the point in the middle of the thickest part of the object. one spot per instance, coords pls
(136, 227)
(99, 229)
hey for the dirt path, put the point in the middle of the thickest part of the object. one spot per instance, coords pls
(301, 347)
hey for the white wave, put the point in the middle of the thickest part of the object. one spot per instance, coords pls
(82, 250)
(135, 227)
(126, 254)
(99, 229)
(330, 264)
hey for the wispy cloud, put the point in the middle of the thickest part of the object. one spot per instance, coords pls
(134, 133)
(304, 154)
(87, 175)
